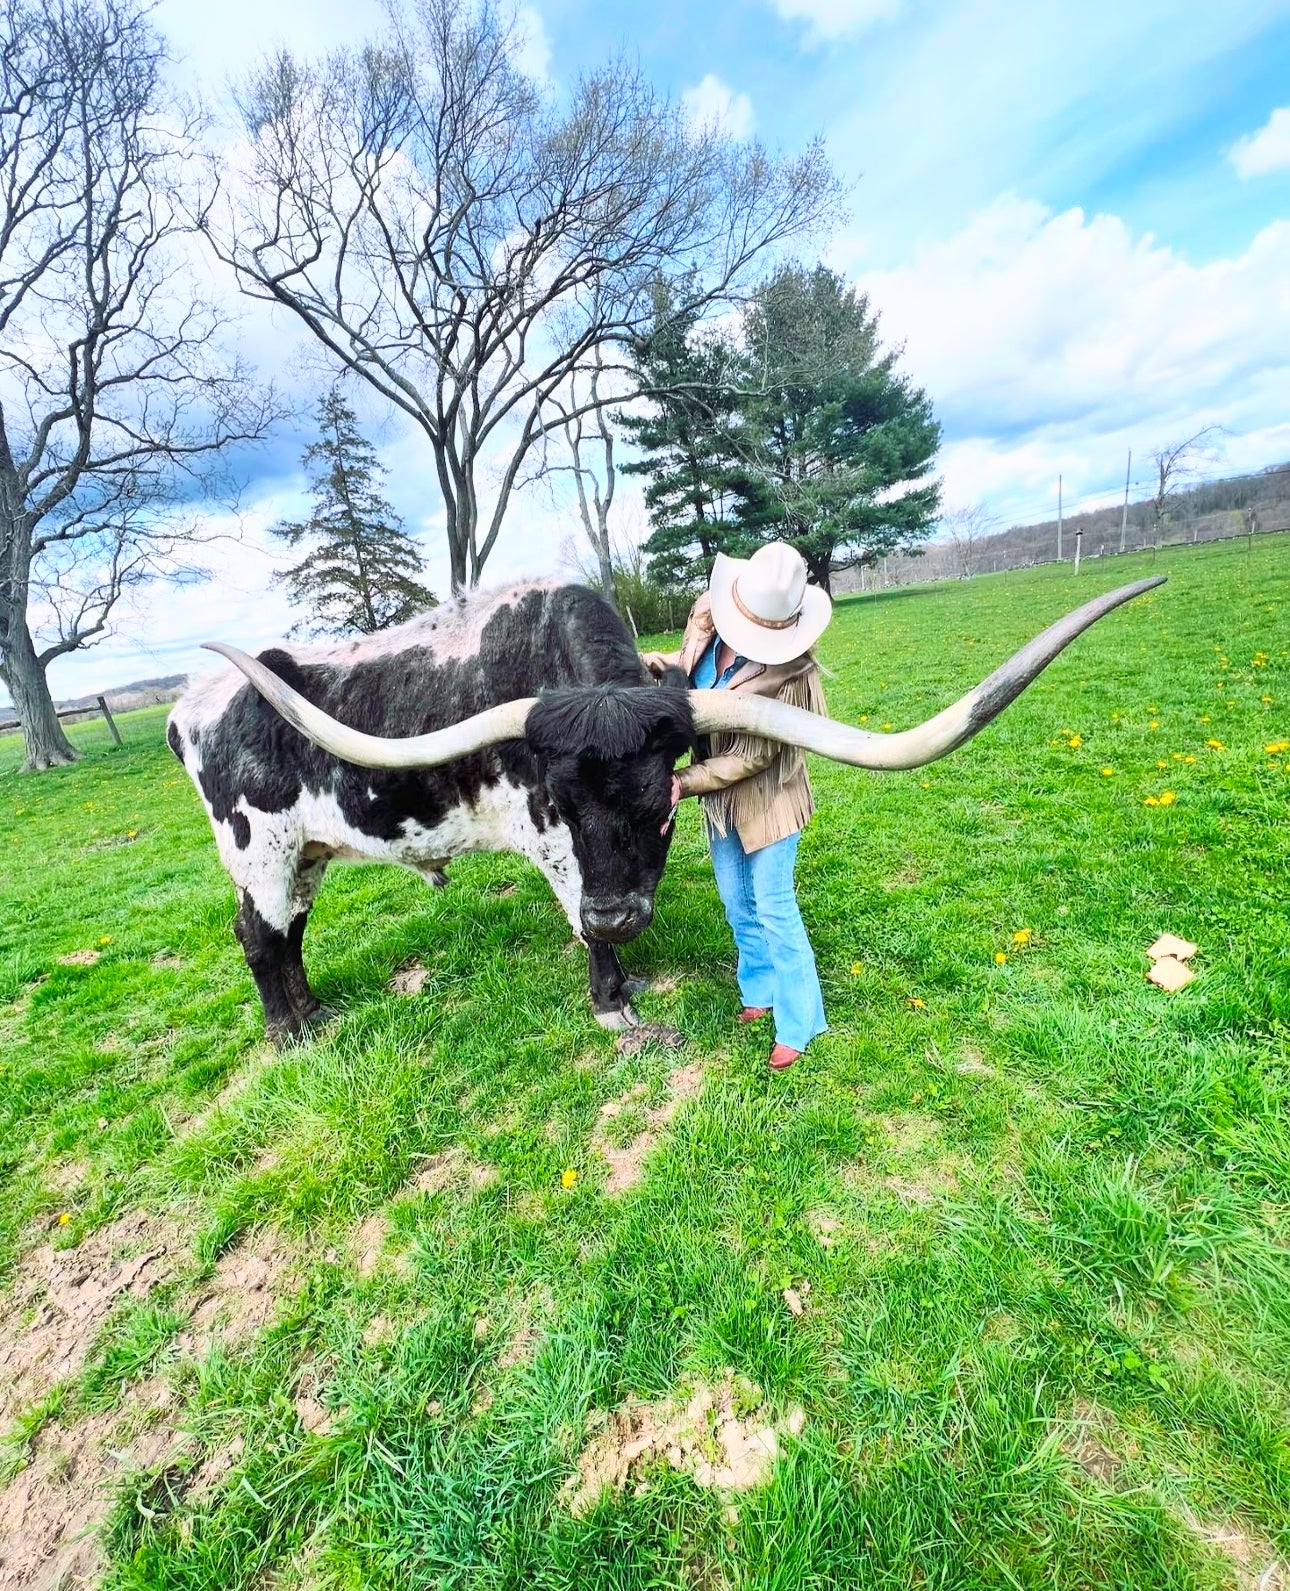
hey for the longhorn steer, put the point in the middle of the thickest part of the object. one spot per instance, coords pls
(523, 720)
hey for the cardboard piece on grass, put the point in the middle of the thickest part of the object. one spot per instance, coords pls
(1170, 973)
(1171, 945)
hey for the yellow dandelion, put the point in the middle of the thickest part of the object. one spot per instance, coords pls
(1176, 755)
(999, 958)
(1154, 724)
(925, 785)
(1215, 745)
(856, 969)
(64, 1219)
(1162, 763)
(1022, 936)
(888, 726)
(1274, 748)
(1189, 759)
(864, 718)
(1153, 709)
(106, 939)
(1266, 700)
(915, 1003)
(1150, 801)
(1075, 742)
(568, 1177)
(1167, 798)
(1203, 719)
(1108, 773)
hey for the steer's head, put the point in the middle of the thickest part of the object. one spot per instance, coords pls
(606, 755)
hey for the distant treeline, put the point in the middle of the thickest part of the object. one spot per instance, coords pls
(1210, 511)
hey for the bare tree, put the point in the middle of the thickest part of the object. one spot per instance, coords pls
(463, 242)
(114, 397)
(588, 434)
(1174, 466)
(965, 529)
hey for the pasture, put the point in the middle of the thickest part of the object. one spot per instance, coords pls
(1003, 1264)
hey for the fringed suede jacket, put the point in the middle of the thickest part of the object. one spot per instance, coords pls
(754, 786)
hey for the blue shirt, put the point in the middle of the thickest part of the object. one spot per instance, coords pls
(704, 677)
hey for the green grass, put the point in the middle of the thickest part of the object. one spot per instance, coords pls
(1043, 1184)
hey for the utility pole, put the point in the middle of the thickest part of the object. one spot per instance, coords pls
(1059, 519)
(1124, 515)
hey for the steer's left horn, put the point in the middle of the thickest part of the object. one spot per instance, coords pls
(505, 722)
(737, 712)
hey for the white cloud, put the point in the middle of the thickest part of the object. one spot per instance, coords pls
(1266, 151)
(836, 19)
(535, 47)
(1053, 342)
(712, 102)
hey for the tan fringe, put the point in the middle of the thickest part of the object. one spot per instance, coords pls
(763, 801)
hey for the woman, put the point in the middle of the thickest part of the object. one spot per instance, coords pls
(753, 631)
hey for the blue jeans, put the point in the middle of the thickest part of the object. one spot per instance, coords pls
(776, 962)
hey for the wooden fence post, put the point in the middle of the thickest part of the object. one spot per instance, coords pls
(111, 722)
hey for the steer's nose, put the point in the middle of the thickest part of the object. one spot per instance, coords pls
(616, 920)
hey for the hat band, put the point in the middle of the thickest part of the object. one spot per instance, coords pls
(756, 618)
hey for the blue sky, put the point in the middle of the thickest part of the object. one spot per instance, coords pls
(1075, 218)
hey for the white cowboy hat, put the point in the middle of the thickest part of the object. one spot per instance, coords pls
(763, 607)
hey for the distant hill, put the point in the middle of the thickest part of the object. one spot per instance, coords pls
(1209, 511)
(122, 698)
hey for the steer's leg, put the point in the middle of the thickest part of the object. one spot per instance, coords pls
(262, 931)
(308, 1009)
(611, 988)
(552, 851)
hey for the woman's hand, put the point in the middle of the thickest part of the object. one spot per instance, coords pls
(656, 663)
(674, 795)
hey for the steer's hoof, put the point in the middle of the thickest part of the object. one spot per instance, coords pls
(650, 1033)
(634, 986)
(318, 1018)
(620, 1019)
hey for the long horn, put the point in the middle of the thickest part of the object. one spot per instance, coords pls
(505, 722)
(739, 712)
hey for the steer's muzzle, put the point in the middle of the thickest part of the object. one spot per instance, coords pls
(616, 920)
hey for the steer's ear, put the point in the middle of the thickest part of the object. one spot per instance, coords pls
(673, 678)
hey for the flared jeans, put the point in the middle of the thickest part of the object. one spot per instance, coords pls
(776, 962)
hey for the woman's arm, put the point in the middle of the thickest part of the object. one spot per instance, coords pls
(717, 773)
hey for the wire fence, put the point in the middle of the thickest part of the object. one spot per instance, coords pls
(1095, 535)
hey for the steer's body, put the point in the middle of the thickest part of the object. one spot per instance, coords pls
(282, 808)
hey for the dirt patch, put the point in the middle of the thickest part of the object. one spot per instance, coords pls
(61, 1297)
(80, 958)
(920, 1192)
(973, 1063)
(168, 963)
(50, 1511)
(626, 1162)
(240, 1295)
(448, 1168)
(531, 1313)
(410, 979)
(824, 1227)
(720, 1435)
(368, 1242)
(1096, 1442)
(1258, 1568)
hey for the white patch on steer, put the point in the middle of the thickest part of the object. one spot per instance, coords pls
(499, 821)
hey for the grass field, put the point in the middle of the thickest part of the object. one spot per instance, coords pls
(1004, 1263)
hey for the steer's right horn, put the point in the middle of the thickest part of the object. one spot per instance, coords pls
(495, 724)
(741, 712)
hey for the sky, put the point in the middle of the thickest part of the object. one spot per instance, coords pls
(1074, 220)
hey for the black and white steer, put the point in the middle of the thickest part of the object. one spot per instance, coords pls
(519, 720)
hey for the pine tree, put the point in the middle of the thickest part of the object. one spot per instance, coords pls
(800, 430)
(360, 571)
(841, 440)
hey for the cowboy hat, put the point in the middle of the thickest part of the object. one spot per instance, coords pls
(763, 607)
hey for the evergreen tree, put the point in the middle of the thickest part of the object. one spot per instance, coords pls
(689, 448)
(843, 442)
(803, 431)
(361, 565)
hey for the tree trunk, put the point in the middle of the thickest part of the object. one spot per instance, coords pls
(47, 745)
(606, 570)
